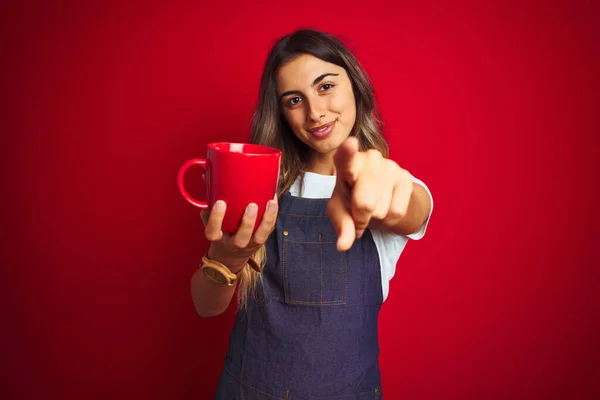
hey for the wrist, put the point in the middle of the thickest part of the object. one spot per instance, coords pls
(218, 272)
(235, 264)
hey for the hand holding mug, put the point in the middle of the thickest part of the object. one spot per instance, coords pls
(234, 250)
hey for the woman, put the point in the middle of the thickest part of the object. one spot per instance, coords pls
(306, 326)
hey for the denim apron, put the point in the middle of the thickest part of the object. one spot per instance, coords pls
(312, 332)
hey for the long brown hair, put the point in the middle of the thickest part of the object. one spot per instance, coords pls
(270, 128)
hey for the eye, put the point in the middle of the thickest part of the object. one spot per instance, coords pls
(327, 86)
(294, 100)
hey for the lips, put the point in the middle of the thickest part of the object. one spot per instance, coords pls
(322, 131)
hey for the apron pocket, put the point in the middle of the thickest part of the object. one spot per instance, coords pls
(314, 272)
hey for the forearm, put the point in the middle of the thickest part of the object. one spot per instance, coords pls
(211, 298)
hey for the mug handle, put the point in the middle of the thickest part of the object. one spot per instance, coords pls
(199, 162)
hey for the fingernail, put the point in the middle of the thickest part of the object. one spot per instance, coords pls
(271, 206)
(219, 206)
(251, 209)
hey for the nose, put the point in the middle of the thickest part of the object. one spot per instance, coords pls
(316, 109)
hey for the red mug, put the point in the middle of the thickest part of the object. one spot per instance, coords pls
(238, 174)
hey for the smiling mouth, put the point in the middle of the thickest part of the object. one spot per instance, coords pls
(323, 131)
(322, 128)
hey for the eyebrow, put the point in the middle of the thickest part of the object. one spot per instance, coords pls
(315, 82)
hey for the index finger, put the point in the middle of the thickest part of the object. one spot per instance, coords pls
(342, 221)
(347, 160)
(213, 225)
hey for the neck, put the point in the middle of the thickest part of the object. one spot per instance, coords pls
(321, 164)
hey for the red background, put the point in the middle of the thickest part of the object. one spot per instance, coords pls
(495, 107)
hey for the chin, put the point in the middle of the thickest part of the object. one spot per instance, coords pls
(326, 147)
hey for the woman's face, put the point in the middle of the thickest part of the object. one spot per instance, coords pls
(317, 101)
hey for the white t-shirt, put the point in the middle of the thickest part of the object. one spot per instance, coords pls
(389, 245)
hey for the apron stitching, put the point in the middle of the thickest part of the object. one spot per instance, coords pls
(253, 388)
(318, 303)
(285, 271)
(321, 264)
(303, 242)
(344, 269)
(304, 216)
